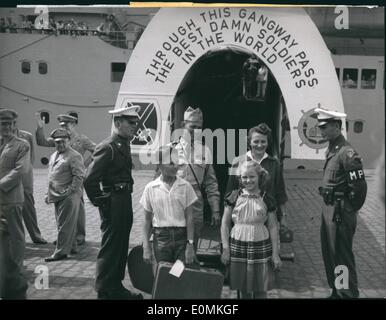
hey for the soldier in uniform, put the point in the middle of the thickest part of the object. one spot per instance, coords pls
(29, 211)
(80, 143)
(344, 191)
(65, 178)
(196, 167)
(111, 166)
(14, 161)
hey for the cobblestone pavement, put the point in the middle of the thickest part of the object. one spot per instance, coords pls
(305, 278)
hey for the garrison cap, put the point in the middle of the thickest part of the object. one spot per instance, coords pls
(324, 116)
(193, 114)
(128, 111)
(63, 118)
(59, 134)
(7, 115)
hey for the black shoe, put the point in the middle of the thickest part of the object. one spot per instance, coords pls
(334, 296)
(56, 258)
(40, 241)
(119, 295)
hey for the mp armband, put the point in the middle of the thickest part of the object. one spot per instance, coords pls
(355, 175)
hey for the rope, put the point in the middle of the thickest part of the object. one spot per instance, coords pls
(55, 102)
(26, 46)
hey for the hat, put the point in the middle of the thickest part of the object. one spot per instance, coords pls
(63, 118)
(193, 114)
(324, 116)
(127, 111)
(59, 134)
(7, 115)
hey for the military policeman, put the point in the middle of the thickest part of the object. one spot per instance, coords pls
(111, 166)
(29, 211)
(196, 167)
(80, 143)
(344, 191)
(65, 178)
(14, 161)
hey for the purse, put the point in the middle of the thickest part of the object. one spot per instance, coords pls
(286, 235)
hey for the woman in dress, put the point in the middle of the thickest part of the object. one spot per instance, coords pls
(251, 247)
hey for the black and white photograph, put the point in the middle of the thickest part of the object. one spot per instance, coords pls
(198, 152)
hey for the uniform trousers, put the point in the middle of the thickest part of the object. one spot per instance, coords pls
(13, 213)
(336, 242)
(66, 214)
(116, 223)
(30, 217)
(13, 285)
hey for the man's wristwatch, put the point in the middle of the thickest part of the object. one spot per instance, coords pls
(189, 242)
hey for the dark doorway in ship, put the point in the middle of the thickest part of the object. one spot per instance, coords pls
(215, 85)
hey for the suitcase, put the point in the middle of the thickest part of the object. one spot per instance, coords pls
(140, 272)
(192, 284)
(209, 247)
(209, 252)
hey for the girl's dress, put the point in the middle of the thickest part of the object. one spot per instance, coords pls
(251, 266)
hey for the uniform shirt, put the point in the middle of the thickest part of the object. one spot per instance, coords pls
(111, 164)
(168, 206)
(275, 184)
(200, 158)
(65, 174)
(27, 178)
(14, 161)
(343, 169)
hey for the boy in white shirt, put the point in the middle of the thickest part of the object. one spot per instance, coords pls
(167, 203)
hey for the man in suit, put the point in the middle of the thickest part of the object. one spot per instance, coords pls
(29, 211)
(14, 161)
(111, 167)
(65, 177)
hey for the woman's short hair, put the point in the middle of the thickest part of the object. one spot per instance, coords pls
(262, 174)
(263, 129)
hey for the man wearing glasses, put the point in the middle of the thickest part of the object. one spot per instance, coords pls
(111, 166)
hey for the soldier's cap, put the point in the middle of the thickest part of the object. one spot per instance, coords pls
(59, 134)
(128, 111)
(64, 118)
(191, 114)
(7, 115)
(325, 116)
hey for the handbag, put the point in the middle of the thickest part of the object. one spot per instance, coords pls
(286, 235)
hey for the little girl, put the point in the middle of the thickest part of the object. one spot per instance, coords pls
(251, 248)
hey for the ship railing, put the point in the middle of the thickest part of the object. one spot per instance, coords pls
(121, 39)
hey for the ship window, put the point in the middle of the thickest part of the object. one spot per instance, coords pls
(117, 71)
(347, 125)
(368, 78)
(45, 116)
(25, 67)
(358, 126)
(44, 161)
(43, 68)
(350, 78)
(337, 73)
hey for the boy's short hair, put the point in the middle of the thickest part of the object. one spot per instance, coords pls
(167, 154)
